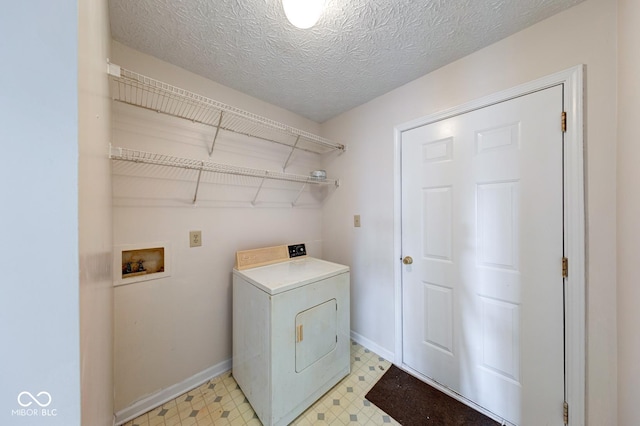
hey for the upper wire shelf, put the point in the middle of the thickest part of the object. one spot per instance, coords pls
(145, 92)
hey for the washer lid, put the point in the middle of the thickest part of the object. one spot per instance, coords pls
(284, 276)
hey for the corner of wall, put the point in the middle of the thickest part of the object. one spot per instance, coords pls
(95, 221)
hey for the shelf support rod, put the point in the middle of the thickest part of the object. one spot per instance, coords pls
(255, 198)
(293, 204)
(293, 148)
(195, 196)
(216, 135)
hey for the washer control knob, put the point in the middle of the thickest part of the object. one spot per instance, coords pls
(296, 250)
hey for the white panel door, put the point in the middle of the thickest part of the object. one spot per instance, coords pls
(482, 219)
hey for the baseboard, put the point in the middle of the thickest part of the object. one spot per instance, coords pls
(372, 346)
(155, 400)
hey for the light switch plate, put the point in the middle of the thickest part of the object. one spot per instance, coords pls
(356, 221)
(195, 238)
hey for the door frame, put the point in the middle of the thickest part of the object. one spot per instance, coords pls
(573, 221)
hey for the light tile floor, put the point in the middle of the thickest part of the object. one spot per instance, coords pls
(221, 402)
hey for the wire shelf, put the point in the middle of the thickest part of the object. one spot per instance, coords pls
(136, 89)
(126, 154)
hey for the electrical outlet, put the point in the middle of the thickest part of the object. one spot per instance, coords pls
(356, 221)
(195, 238)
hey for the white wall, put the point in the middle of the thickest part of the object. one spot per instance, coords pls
(95, 223)
(584, 34)
(628, 209)
(39, 319)
(168, 330)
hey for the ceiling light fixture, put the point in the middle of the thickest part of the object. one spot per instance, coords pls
(303, 13)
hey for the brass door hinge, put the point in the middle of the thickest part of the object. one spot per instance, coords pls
(563, 122)
(565, 411)
(565, 267)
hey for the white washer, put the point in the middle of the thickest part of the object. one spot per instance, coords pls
(290, 335)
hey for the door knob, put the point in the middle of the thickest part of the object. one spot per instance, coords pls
(408, 260)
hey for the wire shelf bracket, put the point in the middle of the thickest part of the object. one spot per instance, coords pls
(195, 195)
(215, 137)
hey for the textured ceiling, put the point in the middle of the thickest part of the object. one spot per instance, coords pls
(359, 49)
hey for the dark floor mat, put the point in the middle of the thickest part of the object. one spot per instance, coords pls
(412, 402)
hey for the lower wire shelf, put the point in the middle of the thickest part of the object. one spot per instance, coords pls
(136, 156)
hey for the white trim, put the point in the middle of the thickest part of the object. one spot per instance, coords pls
(157, 399)
(575, 248)
(372, 346)
(397, 242)
(574, 221)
